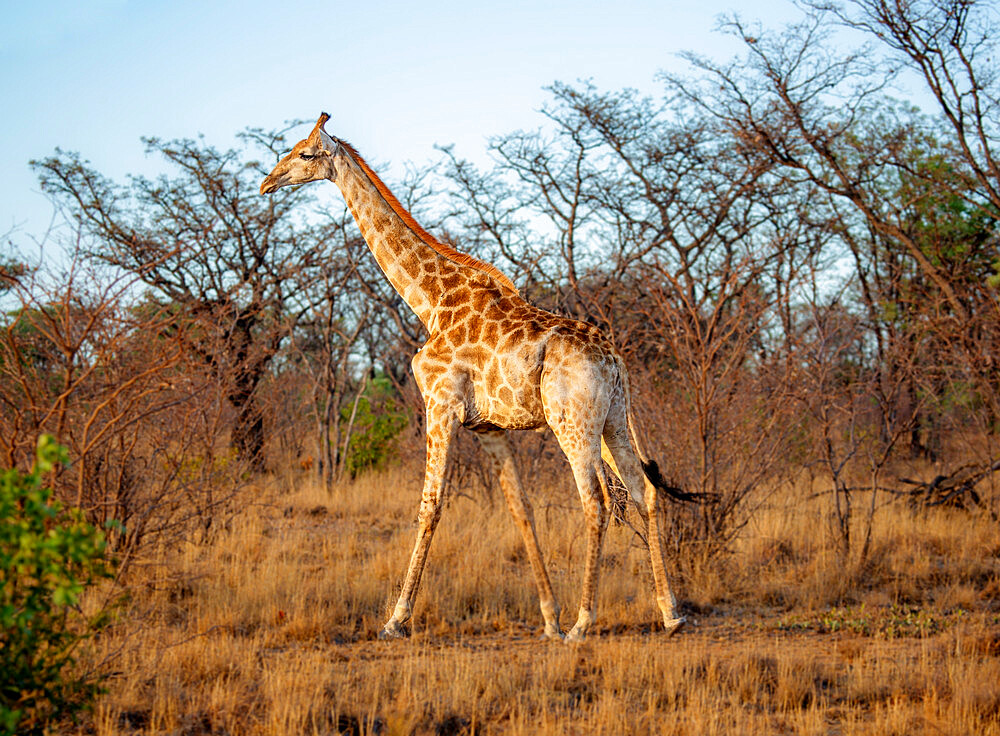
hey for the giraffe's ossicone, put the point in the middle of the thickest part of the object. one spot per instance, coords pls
(494, 363)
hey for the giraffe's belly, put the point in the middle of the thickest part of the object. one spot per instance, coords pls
(505, 417)
(506, 393)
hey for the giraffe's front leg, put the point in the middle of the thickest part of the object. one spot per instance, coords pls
(440, 431)
(497, 446)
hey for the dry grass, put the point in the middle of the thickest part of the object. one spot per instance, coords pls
(270, 629)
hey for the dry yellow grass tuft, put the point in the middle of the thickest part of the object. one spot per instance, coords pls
(270, 628)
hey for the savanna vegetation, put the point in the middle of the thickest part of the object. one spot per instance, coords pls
(796, 251)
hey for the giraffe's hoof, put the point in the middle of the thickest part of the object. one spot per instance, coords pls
(552, 635)
(575, 636)
(391, 631)
(674, 625)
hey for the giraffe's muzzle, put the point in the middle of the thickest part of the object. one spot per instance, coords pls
(268, 185)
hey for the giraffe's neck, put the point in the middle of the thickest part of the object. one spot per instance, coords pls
(420, 274)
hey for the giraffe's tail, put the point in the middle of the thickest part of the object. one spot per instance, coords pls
(653, 473)
(649, 467)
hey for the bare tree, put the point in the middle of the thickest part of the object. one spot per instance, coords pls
(951, 46)
(814, 114)
(326, 340)
(238, 265)
(112, 379)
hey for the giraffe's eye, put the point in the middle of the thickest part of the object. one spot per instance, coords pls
(306, 156)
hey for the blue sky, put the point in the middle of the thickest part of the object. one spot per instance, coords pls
(396, 77)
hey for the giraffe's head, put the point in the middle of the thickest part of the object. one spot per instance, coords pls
(309, 160)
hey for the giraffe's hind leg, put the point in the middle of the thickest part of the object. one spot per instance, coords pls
(622, 458)
(590, 480)
(497, 446)
(581, 444)
(575, 399)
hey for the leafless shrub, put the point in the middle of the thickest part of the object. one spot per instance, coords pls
(111, 378)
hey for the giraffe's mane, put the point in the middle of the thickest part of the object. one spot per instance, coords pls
(445, 250)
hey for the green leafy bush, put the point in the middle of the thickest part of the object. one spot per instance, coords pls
(378, 420)
(48, 556)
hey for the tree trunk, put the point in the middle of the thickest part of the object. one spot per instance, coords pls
(248, 434)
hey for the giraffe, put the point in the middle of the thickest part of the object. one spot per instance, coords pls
(493, 363)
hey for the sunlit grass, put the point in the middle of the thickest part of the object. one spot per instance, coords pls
(270, 628)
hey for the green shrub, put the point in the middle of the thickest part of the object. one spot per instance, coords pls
(379, 419)
(48, 556)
